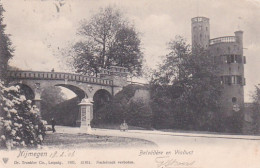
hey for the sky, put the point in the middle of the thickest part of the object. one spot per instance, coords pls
(41, 28)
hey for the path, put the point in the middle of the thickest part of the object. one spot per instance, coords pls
(171, 138)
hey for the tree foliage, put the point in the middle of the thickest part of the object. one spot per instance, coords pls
(20, 125)
(6, 49)
(256, 111)
(51, 97)
(66, 112)
(106, 39)
(124, 107)
(186, 88)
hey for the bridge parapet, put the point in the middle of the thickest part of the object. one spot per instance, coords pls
(38, 75)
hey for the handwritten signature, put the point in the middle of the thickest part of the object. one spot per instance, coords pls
(167, 162)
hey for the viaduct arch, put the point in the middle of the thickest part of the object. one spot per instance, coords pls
(109, 81)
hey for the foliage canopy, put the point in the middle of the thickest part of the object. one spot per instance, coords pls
(106, 39)
(186, 89)
(6, 49)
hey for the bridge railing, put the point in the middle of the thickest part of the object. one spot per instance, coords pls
(226, 39)
(37, 75)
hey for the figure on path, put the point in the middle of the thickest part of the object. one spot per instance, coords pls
(53, 123)
(124, 126)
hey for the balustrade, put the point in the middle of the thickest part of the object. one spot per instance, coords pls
(226, 39)
(57, 76)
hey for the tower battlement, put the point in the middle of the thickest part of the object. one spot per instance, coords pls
(199, 19)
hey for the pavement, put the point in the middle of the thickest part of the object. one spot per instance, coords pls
(171, 138)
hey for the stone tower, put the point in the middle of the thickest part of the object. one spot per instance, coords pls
(200, 32)
(228, 51)
(228, 55)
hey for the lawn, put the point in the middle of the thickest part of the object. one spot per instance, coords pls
(65, 140)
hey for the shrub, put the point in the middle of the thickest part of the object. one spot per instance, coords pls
(139, 114)
(20, 124)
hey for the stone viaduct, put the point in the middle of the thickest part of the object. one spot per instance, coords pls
(110, 81)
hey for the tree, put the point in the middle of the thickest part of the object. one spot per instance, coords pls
(51, 97)
(139, 114)
(107, 39)
(20, 125)
(188, 86)
(126, 51)
(5, 46)
(256, 111)
(124, 107)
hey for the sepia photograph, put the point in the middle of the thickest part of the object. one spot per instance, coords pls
(129, 83)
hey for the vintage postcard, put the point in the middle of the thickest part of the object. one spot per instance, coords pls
(129, 84)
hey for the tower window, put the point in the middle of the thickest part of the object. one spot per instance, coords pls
(206, 28)
(232, 79)
(233, 58)
(234, 99)
(239, 79)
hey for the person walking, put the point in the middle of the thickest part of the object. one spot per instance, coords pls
(53, 123)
